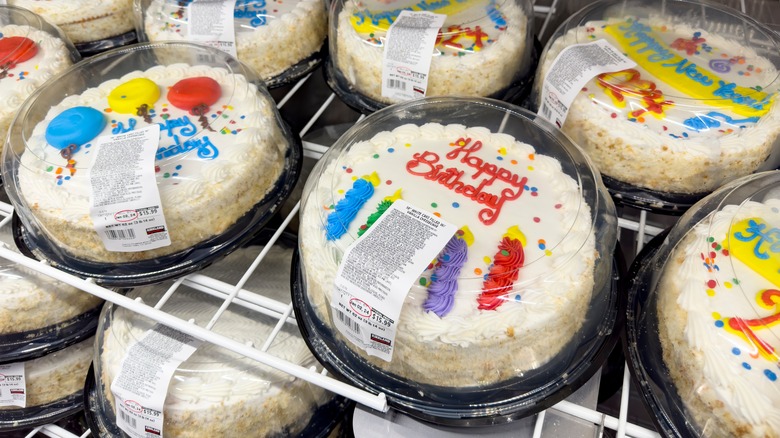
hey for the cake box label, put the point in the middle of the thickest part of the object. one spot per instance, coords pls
(125, 203)
(212, 22)
(574, 67)
(142, 383)
(408, 49)
(378, 270)
(12, 386)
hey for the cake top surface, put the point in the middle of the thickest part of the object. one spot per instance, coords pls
(692, 80)
(250, 15)
(729, 283)
(72, 11)
(470, 26)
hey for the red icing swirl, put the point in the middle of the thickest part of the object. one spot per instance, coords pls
(502, 275)
(16, 49)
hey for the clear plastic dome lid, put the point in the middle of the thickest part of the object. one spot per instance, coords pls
(222, 162)
(696, 110)
(484, 48)
(280, 39)
(216, 392)
(521, 282)
(702, 329)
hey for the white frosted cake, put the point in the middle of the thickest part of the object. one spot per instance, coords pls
(271, 37)
(690, 116)
(512, 286)
(57, 375)
(717, 315)
(28, 58)
(84, 20)
(480, 51)
(221, 149)
(215, 392)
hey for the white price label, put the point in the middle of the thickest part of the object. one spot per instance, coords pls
(212, 22)
(125, 202)
(142, 383)
(378, 270)
(571, 70)
(406, 60)
(12, 386)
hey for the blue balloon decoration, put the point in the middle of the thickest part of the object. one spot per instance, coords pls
(77, 125)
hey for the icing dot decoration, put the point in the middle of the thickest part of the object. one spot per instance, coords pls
(187, 94)
(76, 125)
(770, 375)
(128, 97)
(719, 324)
(746, 366)
(736, 351)
(16, 49)
(711, 284)
(455, 205)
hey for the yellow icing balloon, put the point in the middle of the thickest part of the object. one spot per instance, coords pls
(127, 97)
(394, 197)
(515, 233)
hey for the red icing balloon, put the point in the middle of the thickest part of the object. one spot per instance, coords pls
(16, 49)
(191, 93)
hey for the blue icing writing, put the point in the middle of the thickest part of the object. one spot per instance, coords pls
(639, 31)
(120, 127)
(728, 92)
(710, 120)
(206, 149)
(758, 231)
(495, 15)
(257, 13)
(691, 70)
(346, 209)
(184, 122)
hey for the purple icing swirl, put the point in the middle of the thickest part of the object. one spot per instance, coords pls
(441, 292)
(720, 65)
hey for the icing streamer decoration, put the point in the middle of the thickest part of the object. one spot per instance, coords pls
(746, 328)
(191, 93)
(75, 126)
(16, 49)
(380, 210)
(346, 209)
(127, 98)
(710, 120)
(444, 281)
(504, 271)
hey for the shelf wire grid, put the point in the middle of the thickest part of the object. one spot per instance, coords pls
(638, 224)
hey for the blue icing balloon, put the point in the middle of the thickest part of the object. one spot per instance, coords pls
(76, 125)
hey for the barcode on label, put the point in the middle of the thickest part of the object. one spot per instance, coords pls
(349, 322)
(395, 83)
(546, 112)
(127, 418)
(121, 234)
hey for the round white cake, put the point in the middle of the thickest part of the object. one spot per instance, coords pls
(717, 317)
(480, 51)
(512, 286)
(28, 58)
(84, 21)
(216, 159)
(690, 116)
(271, 36)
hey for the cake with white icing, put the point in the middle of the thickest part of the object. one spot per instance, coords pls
(84, 21)
(510, 289)
(217, 392)
(699, 108)
(221, 150)
(717, 317)
(481, 50)
(271, 36)
(28, 58)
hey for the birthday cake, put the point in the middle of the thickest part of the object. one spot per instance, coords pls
(717, 312)
(271, 37)
(480, 51)
(221, 149)
(84, 20)
(216, 392)
(696, 111)
(511, 287)
(28, 58)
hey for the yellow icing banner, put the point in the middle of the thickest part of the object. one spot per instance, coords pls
(365, 21)
(753, 242)
(639, 43)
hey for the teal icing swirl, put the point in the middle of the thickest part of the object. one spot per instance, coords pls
(346, 209)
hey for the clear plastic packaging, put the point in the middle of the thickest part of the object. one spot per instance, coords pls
(520, 306)
(484, 49)
(280, 39)
(92, 26)
(697, 110)
(224, 163)
(53, 388)
(217, 392)
(31, 52)
(701, 325)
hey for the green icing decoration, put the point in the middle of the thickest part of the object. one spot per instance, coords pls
(380, 210)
